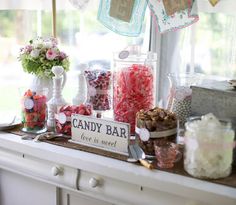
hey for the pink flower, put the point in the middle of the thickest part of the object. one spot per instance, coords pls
(62, 56)
(53, 41)
(28, 49)
(51, 54)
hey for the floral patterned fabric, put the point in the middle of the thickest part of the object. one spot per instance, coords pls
(179, 20)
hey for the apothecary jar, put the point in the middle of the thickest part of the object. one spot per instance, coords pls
(134, 78)
(208, 147)
(180, 94)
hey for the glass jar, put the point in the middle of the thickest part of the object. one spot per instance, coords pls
(208, 147)
(154, 126)
(99, 90)
(180, 95)
(34, 110)
(133, 85)
(63, 116)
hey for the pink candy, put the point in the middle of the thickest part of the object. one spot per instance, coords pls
(133, 91)
(99, 89)
(63, 118)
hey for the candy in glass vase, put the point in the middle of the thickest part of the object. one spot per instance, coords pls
(133, 85)
(34, 110)
(99, 93)
(180, 94)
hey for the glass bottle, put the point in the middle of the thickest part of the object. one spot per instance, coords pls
(81, 93)
(57, 99)
(133, 85)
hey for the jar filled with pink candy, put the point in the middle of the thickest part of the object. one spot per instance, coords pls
(133, 85)
(99, 93)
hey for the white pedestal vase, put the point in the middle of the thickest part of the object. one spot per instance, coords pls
(43, 82)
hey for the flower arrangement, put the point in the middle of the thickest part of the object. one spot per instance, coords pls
(40, 55)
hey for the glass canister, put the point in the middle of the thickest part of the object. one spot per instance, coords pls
(34, 110)
(133, 86)
(63, 116)
(208, 147)
(180, 95)
(154, 126)
(99, 89)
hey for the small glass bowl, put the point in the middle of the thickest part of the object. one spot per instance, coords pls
(167, 153)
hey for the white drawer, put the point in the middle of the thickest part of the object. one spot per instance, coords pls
(39, 169)
(121, 192)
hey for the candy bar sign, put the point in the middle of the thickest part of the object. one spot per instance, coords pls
(104, 134)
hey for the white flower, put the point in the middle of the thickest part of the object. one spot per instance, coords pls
(34, 53)
(48, 45)
(38, 45)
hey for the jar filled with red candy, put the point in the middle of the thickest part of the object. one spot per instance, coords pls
(99, 93)
(63, 116)
(34, 111)
(133, 85)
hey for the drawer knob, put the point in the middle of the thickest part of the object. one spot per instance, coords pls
(93, 182)
(56, 171)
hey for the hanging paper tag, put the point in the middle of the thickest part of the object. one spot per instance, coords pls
(172, 6)
(214, 2)
(144, 134)
(122, 9)
(28, 103)
(92, 91)
(123, 54)
(61, 117)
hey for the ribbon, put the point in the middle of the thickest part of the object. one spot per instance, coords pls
(158, 134)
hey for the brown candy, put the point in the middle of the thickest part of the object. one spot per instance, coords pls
(156, 119)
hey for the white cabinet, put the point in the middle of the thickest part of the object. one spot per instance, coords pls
(19, 190)
(76, 198)
(44, 174)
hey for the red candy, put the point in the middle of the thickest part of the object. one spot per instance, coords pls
(133, 91)
(33, 111)
(64, 127)
(99, 89)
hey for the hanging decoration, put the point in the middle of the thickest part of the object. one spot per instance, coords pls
(123, 17)
(126, 17)
(172, 6)
(178, 20)
(214, 2)
(80, 4)
(121, 10)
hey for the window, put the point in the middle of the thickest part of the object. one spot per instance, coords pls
(208, 46)
(80, 35)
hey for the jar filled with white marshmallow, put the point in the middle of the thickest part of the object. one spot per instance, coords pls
(208, 147)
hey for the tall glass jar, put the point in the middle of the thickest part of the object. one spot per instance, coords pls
(34, 110)
(180, 94)
(99, 90)
(208, 147)
(133, 85)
